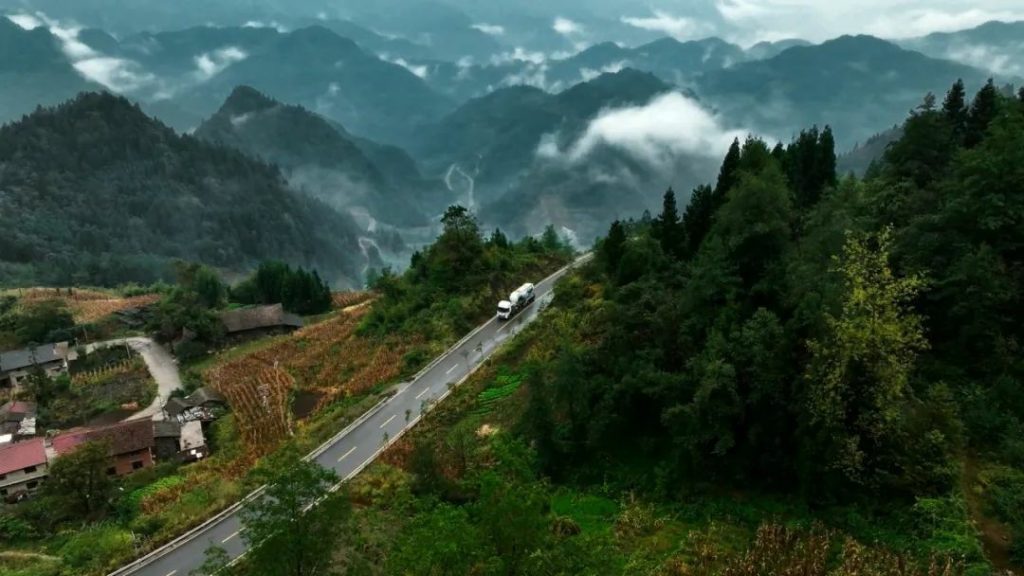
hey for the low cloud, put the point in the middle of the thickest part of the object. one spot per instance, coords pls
(1000, 60)
(490, 29)
(679, 27)
(25, 21)
(567, 27)
(520, 54)
(588, 74)
(209, 64)
(660, 132)
(116, 74)
(421, 71)
(260, 24)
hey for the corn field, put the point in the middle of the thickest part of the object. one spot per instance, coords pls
(86, 305)
(328, 358)
(93, 376)
(342, 300)
(781, 551)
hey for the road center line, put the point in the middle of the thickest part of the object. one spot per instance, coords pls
(388, 421)
(347, 454)
(421, 394)
(225, 540)
(452, 368)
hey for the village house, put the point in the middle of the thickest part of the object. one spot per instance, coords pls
(166, 440)
(22, 468)
(17, 420)
(258, 321)
(17, 365)
(204, 405)
(130, 444)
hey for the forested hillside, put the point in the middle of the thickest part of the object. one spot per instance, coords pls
(852, 341)
(93, 191)
(316, 156)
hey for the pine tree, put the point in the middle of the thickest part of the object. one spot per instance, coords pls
(613, 247)
(955, 109)
(728, 175)
(669, 227)
(827, 158)
(1020, 95)
(698, 217)
(983, 110)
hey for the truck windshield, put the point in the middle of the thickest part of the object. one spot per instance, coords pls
(503, 307)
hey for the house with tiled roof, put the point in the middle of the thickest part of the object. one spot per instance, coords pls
(18, 419)
(22, 467)
(17, 365)
(257, 321)
(130, 444)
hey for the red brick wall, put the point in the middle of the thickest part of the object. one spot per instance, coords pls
(123, 462)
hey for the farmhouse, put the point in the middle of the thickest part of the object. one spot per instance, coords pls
(16, 365)
(258, 321)
(130, 444)
(18, 419)
(166, 439)
(22, 467)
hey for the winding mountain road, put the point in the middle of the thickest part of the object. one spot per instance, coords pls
(355, 447)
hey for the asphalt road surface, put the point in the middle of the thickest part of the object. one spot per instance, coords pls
(356, 447)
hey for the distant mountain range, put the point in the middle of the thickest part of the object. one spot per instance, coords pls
(856, 84)
(994, 46)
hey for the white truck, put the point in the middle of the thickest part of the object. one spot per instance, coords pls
(521, 298)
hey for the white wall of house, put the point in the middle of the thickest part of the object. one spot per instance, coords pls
(29, 479)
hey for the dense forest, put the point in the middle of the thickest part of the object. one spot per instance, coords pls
(850, 340)
(95, 192)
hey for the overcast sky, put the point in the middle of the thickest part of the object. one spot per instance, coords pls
(822, 19)
(748, 21)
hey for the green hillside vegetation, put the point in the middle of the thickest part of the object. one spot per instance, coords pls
(795, 374)
(95, 192)
(456, 283)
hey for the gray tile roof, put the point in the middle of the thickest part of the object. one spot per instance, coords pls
(259, 317)
(19, 359)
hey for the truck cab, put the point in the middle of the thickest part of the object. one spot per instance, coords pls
(504, 310)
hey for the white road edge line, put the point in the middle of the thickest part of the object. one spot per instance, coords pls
(388, 421)
(421, 394)
(226, 539)
(347, 454)
(172, 573)
(452, 368)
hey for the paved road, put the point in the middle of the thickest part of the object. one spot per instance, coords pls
(162, 367)
(356, 447)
